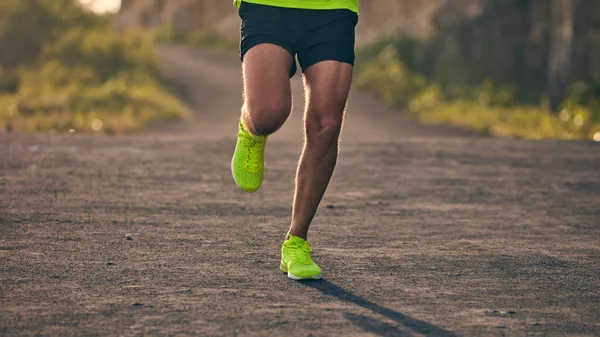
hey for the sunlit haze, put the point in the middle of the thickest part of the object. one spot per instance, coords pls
(102, 6)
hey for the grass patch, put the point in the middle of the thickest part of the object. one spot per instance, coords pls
(488, 108)
(85, 77)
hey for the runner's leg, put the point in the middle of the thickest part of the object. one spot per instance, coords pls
(267, 93)
(327, 84)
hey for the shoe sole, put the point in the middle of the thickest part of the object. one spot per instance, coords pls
(237, 183)
(283, 268)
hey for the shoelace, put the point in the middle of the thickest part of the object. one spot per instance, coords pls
(303, 247)
(252, 162)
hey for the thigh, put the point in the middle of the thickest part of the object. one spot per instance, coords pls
(265, 25)
(266, 81)
(327, 86)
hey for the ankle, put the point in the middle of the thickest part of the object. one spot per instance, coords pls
(300, 235)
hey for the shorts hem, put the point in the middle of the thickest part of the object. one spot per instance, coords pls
(340, 52)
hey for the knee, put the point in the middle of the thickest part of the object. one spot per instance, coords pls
(324, 129)
(266, 117)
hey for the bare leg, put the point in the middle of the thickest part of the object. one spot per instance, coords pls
(327, 85)
(267, 93)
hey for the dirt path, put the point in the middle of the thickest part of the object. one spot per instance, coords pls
(424, 231)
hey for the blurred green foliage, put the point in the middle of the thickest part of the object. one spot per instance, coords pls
(390, 78)
(488, 107)
(63, 69)
(168, 34)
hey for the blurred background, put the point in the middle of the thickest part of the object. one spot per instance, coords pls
(516, 68)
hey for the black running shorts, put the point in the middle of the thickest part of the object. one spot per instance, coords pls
(311, 35)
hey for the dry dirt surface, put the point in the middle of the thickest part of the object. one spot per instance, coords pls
(424, 230)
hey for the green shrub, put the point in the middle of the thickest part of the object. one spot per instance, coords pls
(388, 78)
(26, 26)
(9, 81)
(488, 108)
(87, 77)
(106, 51)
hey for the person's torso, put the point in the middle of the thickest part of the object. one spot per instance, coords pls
(306, 4)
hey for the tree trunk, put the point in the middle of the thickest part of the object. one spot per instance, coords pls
(561, 50)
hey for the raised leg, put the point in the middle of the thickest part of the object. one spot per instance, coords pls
(267, 93)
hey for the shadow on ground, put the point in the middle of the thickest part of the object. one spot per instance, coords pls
(372, 325)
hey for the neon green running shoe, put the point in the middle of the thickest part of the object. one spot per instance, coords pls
(247, 165)
(296, 261)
